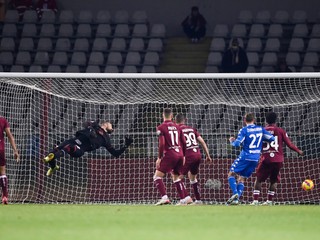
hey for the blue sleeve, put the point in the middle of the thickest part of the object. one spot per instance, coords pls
(267, 136)
(240, 138)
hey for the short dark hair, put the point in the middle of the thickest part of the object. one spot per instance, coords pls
(167, 112)
(271, 117)
(194, 8)
(180, 118)
(249, 117)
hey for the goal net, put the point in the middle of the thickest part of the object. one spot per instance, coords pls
(45, 109)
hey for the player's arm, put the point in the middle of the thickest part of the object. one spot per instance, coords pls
(236, 142)
(290, 144)
(117, 152)
(267, 136)
(160, 147)
(13, 143)
(205, 148)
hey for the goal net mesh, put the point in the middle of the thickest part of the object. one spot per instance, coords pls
(44, 110)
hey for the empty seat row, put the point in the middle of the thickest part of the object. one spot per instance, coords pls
(84, 16)
(252, 69)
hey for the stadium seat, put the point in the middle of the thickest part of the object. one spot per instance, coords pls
(35, 68)
(133, 58)
(148, 69)
(6, 58)
(93, 69)
(281, 17)
(267, 69)
(151, 58)
(214, 59)
(296, 45)
(45, 44)
(23, 58)
(81, 45)
(29, 30)
(221, 31)
(1, 68)
(54, 68)
(121, 30)
(103, 30)
(140, 30)
(121, 16)
(275, 31)
(269, 59)
(118, 44)
(307, 69)
(257, 30)
(66, 16)
(41, 58)
(300, 30)
(314, 45)
(63, 44)
(251, 69)
(155, 44)
(315, 31)
(48, 17)
(253, 58)
(311, 59)
(293, 59)
(17, 68)
(245, 16)
(139, 16)
(158, 31)
(84, 16)
(84, 30)
(11, 16)
(239, 30)
(26, 44)
(7, 44)
(72, 69)
(65, 30)
(212, 69)
(263, 17)
(130, 69)
(111, 69)
(60, 59)
(47, 30)
(114, 58)
(272, 45)
(218, 45)
(299, 16)
(30, 16)
(96, 58)
(9, 30)
(254, 45)
(136, 44)
(79, 59)
(100, 44)
(103, 16)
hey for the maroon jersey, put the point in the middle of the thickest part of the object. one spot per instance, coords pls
(192, 147)
(3, 125)
(273, 152)
(170, 139)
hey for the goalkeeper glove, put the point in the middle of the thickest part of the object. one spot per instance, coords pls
(128, 141)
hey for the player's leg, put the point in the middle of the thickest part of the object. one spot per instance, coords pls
(262, 172)
(232, 181)
(194, 170)
(3, 178)
(179, 169)
(158, 182)
(240, 185)
(274, 179)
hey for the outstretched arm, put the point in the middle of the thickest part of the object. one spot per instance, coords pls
(267, 136)
(117, 152)
(205, 149)
(237, 142)
(290, 144)
(13, 143)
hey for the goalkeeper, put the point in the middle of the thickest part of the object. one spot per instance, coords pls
(92, 137)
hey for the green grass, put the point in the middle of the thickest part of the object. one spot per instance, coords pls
(139, 222)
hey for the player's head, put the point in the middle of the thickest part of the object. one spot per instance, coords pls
(194, 11)
(249, 118)
(271, 117)
(180, 118)
(106, 126)
(167, 114)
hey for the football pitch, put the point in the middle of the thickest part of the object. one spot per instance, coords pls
(139, 222)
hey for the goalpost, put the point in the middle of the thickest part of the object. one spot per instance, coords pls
(47, 108)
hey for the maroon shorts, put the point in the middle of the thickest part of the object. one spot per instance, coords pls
(270, 170)
(192, 165)
(170, 164)
(2, 158)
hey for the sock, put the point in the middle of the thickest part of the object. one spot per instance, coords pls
(4, 185)
(270, 195)
(256, 195)
(180, 188)
(240, 188)
(185, 191)
(160, 186)
(195, 187)
(233, 184)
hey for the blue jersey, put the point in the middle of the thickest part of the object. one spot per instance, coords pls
(251, 138)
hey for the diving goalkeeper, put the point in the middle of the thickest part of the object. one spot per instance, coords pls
(90, 138)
